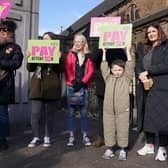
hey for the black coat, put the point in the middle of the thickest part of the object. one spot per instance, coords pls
(156, 111)
(10, 59)
(140, 92)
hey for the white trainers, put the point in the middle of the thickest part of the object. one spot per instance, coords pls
(122, 155)
(161, 154)
(35, 142)
(108, 154)
(71, 141)
(146, 150)
(86, 141)
(47, 142)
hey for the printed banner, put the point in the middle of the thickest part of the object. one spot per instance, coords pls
(97, 22)
(4, 9)
(43, 51)
(116, 36)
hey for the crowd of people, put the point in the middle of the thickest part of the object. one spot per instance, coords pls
(113, 70)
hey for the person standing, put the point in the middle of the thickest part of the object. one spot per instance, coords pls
(10, 60)
(117, 79)
(45, 94)
(79, 71)
(155, 64)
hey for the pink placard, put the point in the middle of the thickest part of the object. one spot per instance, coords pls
(4, 8)
(97, 22)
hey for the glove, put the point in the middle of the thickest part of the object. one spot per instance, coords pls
(77, 85)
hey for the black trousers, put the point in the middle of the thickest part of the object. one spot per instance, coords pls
(100, 100)
(42, 116)
(150, 139)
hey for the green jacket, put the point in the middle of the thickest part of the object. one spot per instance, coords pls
(49, 86)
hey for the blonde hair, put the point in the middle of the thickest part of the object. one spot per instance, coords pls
(84, 40)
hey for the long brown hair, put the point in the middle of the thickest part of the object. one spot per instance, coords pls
(161, 35)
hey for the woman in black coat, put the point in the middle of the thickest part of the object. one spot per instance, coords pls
(155, 65)
(10, 59)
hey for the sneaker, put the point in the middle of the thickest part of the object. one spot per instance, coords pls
(108, 154)
(86, 141)
(71, 141)
(47, 142)
(122, 155)
(146, 150)
(35, 142)
(161, 154)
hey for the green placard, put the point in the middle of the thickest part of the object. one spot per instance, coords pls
(115, 36)
(43, 51)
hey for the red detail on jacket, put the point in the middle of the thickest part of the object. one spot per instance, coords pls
(70, 68)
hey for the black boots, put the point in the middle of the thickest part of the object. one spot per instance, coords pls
(3, 144)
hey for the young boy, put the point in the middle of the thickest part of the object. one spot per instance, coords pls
(116, 104)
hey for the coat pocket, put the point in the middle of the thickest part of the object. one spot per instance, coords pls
(35, 88)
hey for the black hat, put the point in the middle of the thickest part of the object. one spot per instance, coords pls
(11, 25)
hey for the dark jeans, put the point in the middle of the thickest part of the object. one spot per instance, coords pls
(4, 121)
(150, 139)
(42, 117)
(100, 100)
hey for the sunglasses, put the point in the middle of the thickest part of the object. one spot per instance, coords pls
(4, 30)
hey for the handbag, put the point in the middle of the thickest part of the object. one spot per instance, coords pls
(76, 97)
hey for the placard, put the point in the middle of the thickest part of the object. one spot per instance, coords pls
(116, 36)
(43, 51)
(4, 9)
(96, 22)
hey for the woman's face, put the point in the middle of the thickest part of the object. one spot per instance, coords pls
(152, 34)
(79, 44)
(46, 37)
(5, 34)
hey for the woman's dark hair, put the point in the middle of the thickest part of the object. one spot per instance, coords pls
(161, 35)
(51, 34)
(11, 25)
(118, 62)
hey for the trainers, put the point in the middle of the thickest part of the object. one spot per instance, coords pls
(47, 142)
(34, 142)
(161, 154)
(86, 141)
(146, 150)
(108, 154)
(71, 141)
(122, 155)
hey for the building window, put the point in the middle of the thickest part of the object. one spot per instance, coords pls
(132, 12)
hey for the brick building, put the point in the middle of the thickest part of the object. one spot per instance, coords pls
(138, 12)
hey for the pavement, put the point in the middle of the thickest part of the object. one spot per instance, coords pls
(60, 156)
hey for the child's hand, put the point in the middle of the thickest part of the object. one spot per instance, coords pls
(104, 54)
(128, 52)
(104, 50)
(128, 49)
